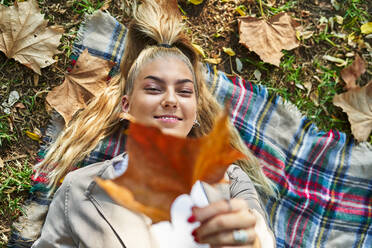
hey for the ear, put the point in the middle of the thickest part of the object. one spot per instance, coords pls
(125, 104)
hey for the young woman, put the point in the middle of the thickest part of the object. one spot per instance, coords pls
(161, 84)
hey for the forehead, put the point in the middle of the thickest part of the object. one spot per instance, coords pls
(171, 68)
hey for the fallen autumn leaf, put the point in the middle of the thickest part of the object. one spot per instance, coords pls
(162, 167)
(229, 51)
(366, 28)
(24, 35)
(199, 49)
(33, 136)
(357, 103)
(268, 38)
(351, 73)
(213, 61)
(88, 78)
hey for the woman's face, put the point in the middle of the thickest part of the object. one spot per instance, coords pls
(164, 96)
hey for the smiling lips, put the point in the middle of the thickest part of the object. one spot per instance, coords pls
(168, 118)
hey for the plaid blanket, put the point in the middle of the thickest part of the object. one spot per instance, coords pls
(324, 179)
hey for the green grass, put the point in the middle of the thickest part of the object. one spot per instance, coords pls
(319, 109)
(5, 134)
(354, 14)
(86, 6)
(258, 64)
(14, 180)
(6, 2)
(317, 105)
(287, 6)
(67, 42)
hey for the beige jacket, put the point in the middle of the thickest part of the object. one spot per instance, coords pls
(83, 215)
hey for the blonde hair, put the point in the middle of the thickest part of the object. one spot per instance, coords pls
(154, 23)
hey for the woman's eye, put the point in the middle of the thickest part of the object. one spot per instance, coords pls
(186, 92)
(152, 89)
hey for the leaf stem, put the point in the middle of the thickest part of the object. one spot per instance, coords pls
(231, 67)
(261, 9)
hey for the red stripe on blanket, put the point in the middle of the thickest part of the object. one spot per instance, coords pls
(108, 146)
(242, 94)
(324, 147)
(248, 103)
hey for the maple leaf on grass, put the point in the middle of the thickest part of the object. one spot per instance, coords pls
(24, 35)
(268, 38)
(351, 73)
(162, 167)
(88, 78)
(357, 103)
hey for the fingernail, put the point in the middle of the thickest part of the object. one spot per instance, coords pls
(193, 233)
(191, 219)
(196, 239)
(193, 208)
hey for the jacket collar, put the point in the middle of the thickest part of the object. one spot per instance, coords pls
(135, 231)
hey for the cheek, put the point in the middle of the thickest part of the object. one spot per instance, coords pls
(191, 109)
(141, 105)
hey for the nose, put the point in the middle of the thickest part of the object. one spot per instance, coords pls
(170, 100)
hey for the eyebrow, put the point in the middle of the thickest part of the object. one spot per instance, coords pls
(180, 81)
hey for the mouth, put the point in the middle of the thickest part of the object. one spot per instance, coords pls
(168, 118)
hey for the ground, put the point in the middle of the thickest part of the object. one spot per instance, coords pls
(212, 25)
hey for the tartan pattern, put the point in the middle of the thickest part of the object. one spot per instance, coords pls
(324, 179)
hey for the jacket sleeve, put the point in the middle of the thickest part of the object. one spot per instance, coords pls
(56, 231)
(241, 186)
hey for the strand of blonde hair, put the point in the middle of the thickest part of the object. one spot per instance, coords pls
(82, 134)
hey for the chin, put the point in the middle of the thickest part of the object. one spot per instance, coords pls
(173, 132)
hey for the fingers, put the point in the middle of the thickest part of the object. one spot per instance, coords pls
(227, 239)
(242, 219)
(222, 222)
(217, 208)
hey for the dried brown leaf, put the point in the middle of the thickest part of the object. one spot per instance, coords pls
(357, 103)
(88, 78)
(351, 73)
(162, 167)
(20, 105)
(24, 35)
(269, 38)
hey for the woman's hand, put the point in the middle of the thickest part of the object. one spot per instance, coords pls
(225, 224)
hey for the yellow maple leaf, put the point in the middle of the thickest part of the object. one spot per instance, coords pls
(196, 2)
(199, 49)
(213, 61)
(366, 28)
(33, 136)
(229, 51)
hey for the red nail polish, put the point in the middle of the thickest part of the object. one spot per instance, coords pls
(196, 239)
(191, 219)
(193, 233)
(193, 208)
